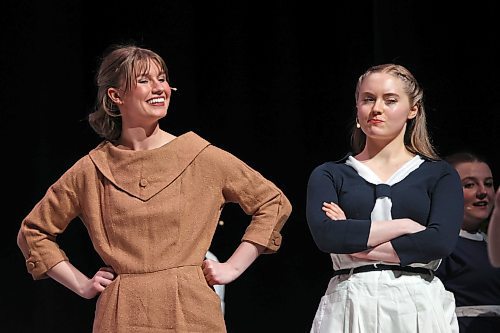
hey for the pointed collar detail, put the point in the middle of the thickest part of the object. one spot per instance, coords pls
(477, 236)
(144, 173)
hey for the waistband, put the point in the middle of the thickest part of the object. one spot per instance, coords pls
(478, 311)
(382, 267)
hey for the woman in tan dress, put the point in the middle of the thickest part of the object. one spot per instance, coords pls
(151, 202)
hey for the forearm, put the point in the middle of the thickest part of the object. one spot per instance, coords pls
(385, 231)
(70, 277)
(382, 252)
(244, 255)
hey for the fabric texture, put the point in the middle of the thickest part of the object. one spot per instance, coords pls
(468, 274)
(151, 216)
(386, 301)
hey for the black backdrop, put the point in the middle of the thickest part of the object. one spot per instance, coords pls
(272, 82)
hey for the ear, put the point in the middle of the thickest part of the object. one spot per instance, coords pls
(413, 112)
(114, 95)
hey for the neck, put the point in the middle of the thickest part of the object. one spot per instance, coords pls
(140, 138)
(471, 225)
(384, 151)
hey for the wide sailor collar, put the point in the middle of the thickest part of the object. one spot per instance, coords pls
(144, 173)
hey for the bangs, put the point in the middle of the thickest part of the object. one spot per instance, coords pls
(141, 65)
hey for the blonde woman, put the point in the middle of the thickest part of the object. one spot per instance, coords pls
(386, 213)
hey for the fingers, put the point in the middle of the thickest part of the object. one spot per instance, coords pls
(106, 273)
(107, 269)
(208, 271)
(333, 211)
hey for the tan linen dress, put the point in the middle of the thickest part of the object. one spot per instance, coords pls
(151, 216)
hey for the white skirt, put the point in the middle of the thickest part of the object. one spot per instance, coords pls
(385, 302)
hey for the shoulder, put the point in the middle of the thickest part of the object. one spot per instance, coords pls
(335, 171)
(213, 153)
(335, 166)
(439, 167)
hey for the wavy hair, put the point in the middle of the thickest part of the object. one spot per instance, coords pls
(118, 69)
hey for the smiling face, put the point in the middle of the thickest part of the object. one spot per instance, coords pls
(147, 99)
(477, 182)
(383, 106)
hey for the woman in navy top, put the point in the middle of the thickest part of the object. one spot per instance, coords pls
(467, 271)
(387, 213)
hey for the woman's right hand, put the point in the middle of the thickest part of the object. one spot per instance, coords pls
(101, 279)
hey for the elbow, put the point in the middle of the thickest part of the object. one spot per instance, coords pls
(440, 252)
(21, 241)
(321, 242)
(327, 244)
(286, 209)
(323, 248)
(22, 244)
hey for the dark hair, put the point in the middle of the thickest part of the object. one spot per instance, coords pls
(416, 138)
(119, 67)
(464, 157)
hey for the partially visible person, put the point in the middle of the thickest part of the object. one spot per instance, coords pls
(386, 213)
(151, 202)
(220, 289)
(494, 233)
(467, 271)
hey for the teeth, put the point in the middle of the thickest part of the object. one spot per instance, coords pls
(156, 100)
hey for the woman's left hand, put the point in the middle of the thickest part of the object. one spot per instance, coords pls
(218, 273)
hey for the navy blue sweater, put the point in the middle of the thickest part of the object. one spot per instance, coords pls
(430, 195)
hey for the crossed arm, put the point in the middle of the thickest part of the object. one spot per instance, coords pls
(381, 233)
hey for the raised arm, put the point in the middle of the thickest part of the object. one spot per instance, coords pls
(226, 272)
(70, 277)
(267, 205)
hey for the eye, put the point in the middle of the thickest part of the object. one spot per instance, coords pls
(488, 183)
(468, 185)
(391, 101)
(142, 80)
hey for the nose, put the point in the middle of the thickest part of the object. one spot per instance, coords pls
(157, 87)
(378, 106)
(481, 193)
(481, 196)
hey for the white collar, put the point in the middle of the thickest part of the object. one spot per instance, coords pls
(398, 176)
(477, 236)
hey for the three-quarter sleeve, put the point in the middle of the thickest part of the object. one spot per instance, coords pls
(345, 236)
(443, 225)
(258, 197)
(49, 218)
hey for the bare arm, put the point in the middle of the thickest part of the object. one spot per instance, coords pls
(70, 277)
(224, 273)
(494, 233)
(382, 252)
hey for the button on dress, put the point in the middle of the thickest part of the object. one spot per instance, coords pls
(151, 216)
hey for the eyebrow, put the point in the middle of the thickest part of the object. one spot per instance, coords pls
(385, 95)
(476, 179)
(148, 74)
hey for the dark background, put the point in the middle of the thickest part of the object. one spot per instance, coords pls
(272, 82)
